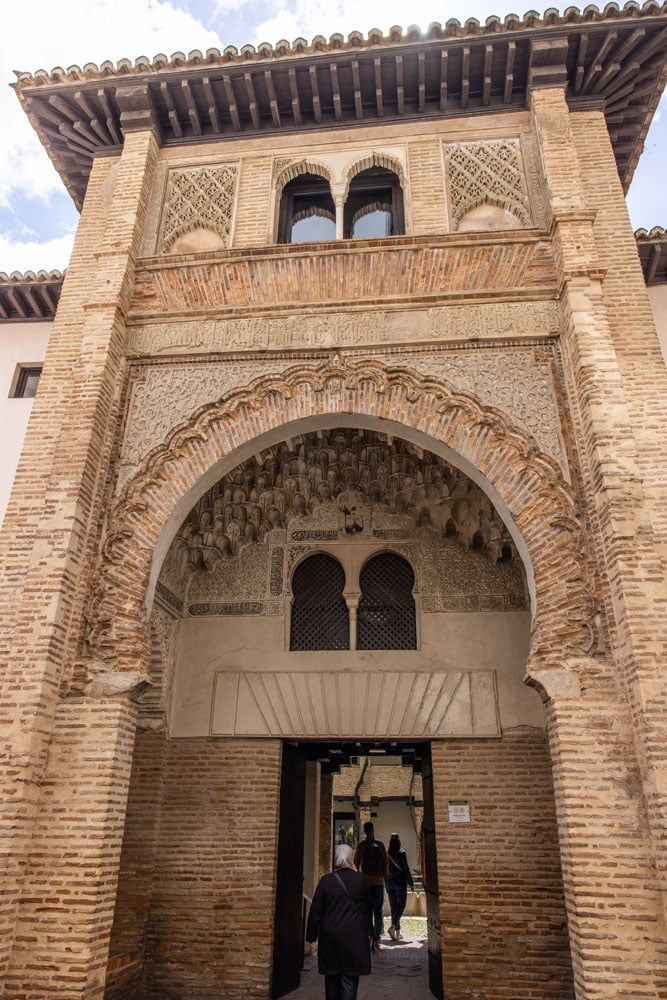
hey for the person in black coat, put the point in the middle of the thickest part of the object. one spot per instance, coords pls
(399, 877)
(338, 921)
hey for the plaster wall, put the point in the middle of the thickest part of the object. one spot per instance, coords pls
(470, 641)
(657, 295)
(20, 344)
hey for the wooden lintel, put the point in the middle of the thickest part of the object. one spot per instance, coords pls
(171, 109)
(377, 66)
(56, 101)
(509, 72)
(611, 70)
(273, 101)
(110, 119)
(296, 105)
(76, 139)
(358, 109)
(96, 123)
(16, 302)
(421, 68)
(32, 300)
(658, 42)
(400, 92)
(50, 298)
(581, 63)
(444, 60)
(653, 264)
(597, 64)
(486, 83)
(84, 129)
(252, 100)
(465, 76)
(335, 86)
(315, 91)
(636, 85)
(231, 101)
(212, 101)
(193, 113)
(633, 39)
(630, 71)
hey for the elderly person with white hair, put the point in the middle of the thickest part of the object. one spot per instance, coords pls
(338, 920)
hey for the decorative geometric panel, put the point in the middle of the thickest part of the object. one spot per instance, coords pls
(198, 198)
(320, 618)
(486, 171)
(386, 617)
(358, 703)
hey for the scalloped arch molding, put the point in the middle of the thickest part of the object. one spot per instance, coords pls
(525, 485)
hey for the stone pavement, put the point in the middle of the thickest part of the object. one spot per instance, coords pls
(400, 972)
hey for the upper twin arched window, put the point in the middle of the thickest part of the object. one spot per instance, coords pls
(373, 209)
(386, 613)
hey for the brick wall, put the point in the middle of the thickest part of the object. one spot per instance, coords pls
(427, 188)
(501, 893)
(209, 931)
(62, 932)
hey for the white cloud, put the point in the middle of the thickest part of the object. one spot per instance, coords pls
(43, 34)
(33, 255)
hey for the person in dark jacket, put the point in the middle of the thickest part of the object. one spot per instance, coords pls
(370, 858)
(337, 921)
(399, 877)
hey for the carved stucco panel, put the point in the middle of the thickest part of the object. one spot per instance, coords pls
(486, 171)
(518, 381)
(198, 198)
(163, 396)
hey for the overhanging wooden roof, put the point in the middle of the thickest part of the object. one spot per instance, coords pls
(614, 59)
(652, 248)
(29, 295)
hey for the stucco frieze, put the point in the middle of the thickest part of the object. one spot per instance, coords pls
(518, 381)
(475, 321)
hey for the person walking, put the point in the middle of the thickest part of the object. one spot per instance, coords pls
(399, 877)
(338, 921)
(370, 858)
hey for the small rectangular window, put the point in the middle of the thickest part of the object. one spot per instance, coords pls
(26, 381)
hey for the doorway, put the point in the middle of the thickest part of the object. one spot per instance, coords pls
(311, 773)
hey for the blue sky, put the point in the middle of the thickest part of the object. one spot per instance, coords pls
(37, 218)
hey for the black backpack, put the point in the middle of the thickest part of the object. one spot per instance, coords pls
(372, 861)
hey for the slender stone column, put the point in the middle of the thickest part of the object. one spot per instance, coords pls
(340, 218)
(51, 529)
(616, 426)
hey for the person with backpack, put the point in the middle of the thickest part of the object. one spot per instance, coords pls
(370, 859)
(338, 920)
(399, 877)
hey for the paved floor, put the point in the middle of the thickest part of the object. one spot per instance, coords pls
(400, 972)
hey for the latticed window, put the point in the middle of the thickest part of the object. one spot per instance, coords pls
(387, 609)
(320, 619)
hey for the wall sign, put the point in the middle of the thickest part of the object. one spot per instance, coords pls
(459, 812)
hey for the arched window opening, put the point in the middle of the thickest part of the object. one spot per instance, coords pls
(320, 619)
(478, 542)
(374, 206)
(307, 211)
(386, 617)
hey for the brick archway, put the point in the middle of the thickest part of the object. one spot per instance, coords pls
(528, 484)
